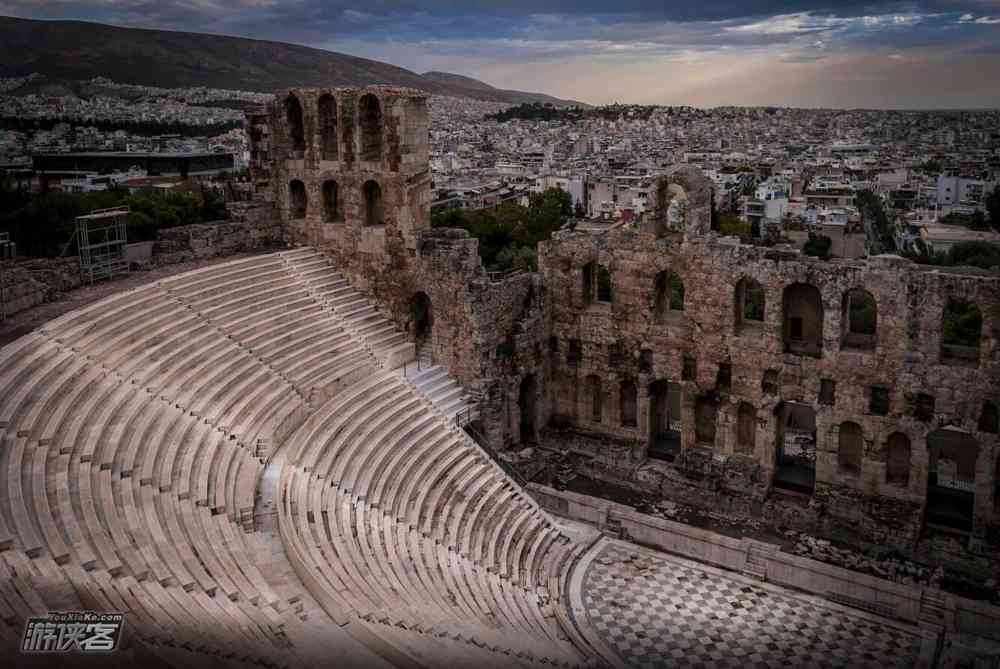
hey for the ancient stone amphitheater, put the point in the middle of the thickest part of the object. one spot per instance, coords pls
(137, 447)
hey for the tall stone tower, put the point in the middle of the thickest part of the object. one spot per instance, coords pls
(350, 173)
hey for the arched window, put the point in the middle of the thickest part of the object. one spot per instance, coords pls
(293, 119)
(961, 329)
(373, 203)
(627, 401)
(668, 294)
(859, 320)
(802, 309)
(298, 201)
(850, 448)
(331, 202)
(596, 283)
(370, 126)
(746, 428)
(897, 460)
(749, 303)
(327, 109)
(595, 398)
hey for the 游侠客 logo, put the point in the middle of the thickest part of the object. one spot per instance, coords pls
(73, 632)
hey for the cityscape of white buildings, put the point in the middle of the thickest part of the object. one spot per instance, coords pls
(782, 171)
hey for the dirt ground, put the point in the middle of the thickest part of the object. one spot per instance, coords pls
(24, 322)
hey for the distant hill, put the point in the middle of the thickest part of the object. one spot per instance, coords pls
(473, 88)
(69, 50)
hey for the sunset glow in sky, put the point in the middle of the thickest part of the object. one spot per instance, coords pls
(939, 54)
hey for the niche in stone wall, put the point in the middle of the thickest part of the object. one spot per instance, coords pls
(706, 411)
(802, 306)
(897, 460)
(328, 140)
(372, 194)
(595, 397)
(332, 208)
(627, 397)
(850, 447)
(370, 128)
(664, 420)
(859, 320)
(951, 480)
(295, 126)
(749, 303)
(298, 201)
(961, 330)
(668, 295)
(746, 428)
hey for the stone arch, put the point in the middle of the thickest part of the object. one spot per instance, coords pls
(961, 331)
(749, 302)
(795, 447)
(802, 322)
(595, 398)
(370, 127)
(298, 200)
(664, 420)
(859, 320)
(421, 316)
(627, 402)
(332, 208)
(526, 402)
(295, 124)
(746, 428)
(327, 112)
(372, 193)
(668, 294)
(850, 448)
(951, 478)
(897, 460)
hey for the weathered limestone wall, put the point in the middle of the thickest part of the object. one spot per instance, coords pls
(355, 143)
(251, 226)
(487, 330)
(32, 281)
(626, 341)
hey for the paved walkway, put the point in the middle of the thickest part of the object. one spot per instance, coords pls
(654, 610)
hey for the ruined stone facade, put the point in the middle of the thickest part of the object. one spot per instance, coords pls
(348, 170)
(823, 396)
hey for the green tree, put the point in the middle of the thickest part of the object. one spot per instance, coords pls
(818, 246)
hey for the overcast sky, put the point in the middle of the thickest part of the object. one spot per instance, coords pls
(938, 54)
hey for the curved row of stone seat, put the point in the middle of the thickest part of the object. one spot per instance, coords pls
(81, 516)
(125, 443)
(394, 516)
(359, 316)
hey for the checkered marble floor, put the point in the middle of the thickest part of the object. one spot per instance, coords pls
(655, 612)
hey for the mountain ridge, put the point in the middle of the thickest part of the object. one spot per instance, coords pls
(77, 50)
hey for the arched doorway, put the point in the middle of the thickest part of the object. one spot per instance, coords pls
(951, 479)
(664, 420)
(795, 468)
(527, 405)
(802, 309)
(421, 317)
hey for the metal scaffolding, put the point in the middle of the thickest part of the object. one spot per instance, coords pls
(8, 250)
(102, 239)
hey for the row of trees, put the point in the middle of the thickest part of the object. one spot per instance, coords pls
(508, 236)
(144, 128)
(877, 223)
(43, 224)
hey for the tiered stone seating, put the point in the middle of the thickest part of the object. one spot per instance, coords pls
(133, 433)
(375, 508)
(443, 391)
(357, 314)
